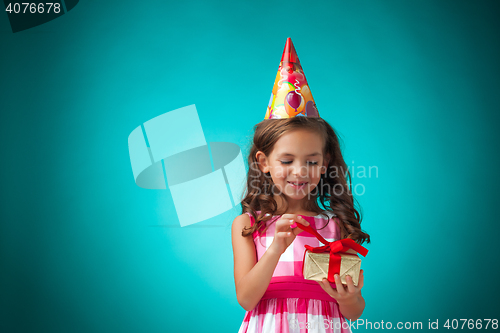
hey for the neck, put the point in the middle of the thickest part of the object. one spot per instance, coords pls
(294, 206)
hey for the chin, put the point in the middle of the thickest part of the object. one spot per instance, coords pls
(298, 195)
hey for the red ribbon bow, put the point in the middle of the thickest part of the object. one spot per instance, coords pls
(335, 248)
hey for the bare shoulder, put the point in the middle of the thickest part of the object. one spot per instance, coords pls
(243, 248)
(240, 222)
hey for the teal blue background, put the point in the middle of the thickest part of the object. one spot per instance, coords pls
(411, 86)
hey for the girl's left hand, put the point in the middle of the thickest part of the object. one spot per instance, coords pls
(344, 294)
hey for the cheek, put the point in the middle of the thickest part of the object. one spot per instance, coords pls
(315, 172)
(280, 172)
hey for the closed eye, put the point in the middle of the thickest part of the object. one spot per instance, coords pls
(309, 162)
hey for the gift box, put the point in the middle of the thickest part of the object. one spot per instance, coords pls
(338, 257)
(316, 266)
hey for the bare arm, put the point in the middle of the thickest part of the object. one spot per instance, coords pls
(252, 277)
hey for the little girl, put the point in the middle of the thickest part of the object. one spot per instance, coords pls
(295, 164)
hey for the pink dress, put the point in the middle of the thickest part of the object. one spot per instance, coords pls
(291, 303)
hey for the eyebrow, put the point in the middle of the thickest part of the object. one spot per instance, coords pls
(288, 154)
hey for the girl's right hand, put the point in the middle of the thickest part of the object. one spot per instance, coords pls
(284, 235)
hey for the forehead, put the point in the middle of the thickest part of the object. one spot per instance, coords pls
(299, 142)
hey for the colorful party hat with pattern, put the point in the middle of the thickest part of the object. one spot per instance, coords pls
(291, 96)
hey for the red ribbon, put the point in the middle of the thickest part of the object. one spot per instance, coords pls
(335, 248)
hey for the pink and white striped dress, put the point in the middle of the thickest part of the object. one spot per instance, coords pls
(292, 304)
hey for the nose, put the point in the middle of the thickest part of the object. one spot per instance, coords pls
(299, 170)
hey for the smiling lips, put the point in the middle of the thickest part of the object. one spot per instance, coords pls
(297, 185)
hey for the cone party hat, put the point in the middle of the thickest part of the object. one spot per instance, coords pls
(291, 96)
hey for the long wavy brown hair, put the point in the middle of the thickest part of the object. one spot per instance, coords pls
(334, 190)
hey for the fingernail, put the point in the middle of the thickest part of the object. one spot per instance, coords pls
(336, 277)
(300, 217)
(267, 214)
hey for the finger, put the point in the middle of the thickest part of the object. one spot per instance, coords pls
(325, 284)
(296, 229)
(361, 280)
(289, 216)
(283, 234)
(288, 222)
(302, 220)
(284, 225)
(338, 284)
(350, 284)
(296, 218)
(328, 286)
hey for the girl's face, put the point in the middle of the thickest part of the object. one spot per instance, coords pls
(296, 163)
